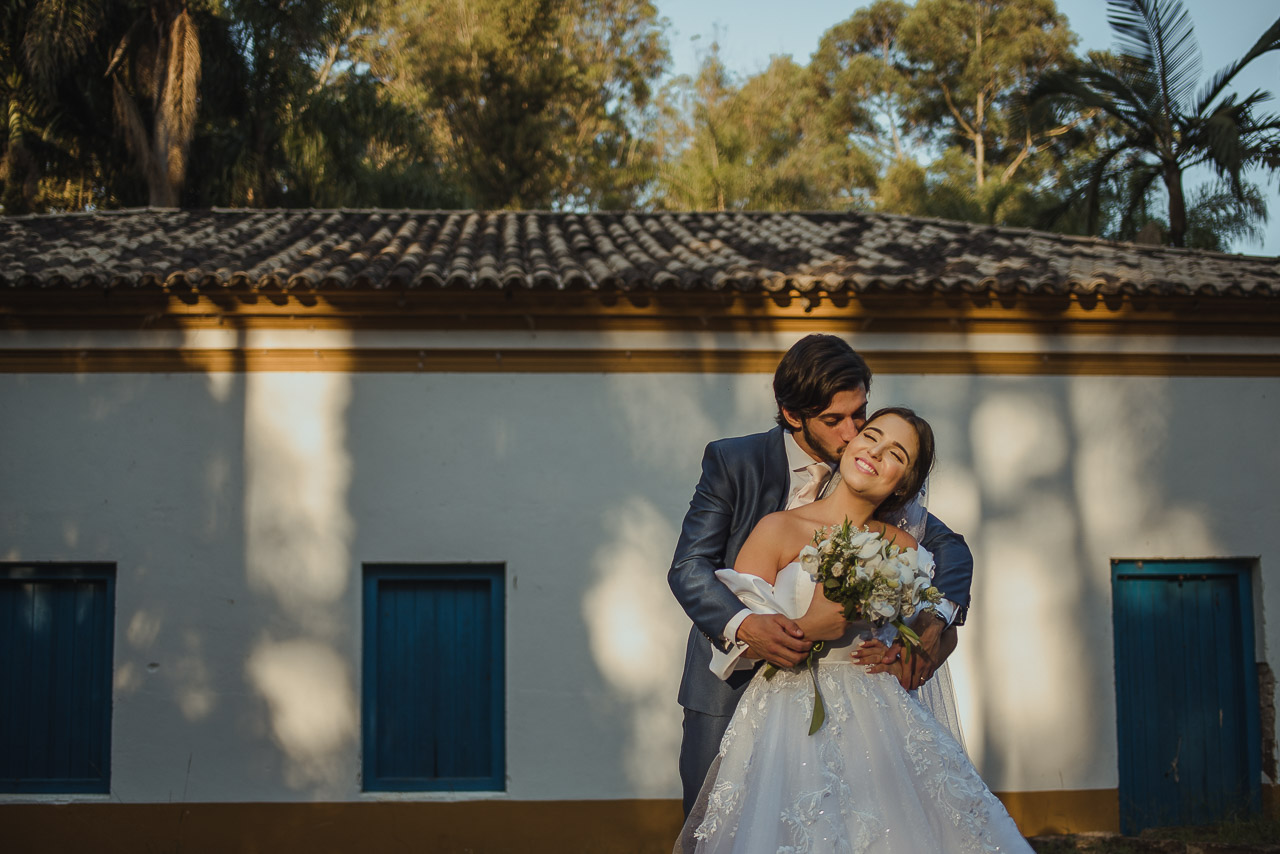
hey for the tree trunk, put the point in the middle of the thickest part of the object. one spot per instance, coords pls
(1177, 205)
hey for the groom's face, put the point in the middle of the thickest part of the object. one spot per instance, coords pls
(825, 435)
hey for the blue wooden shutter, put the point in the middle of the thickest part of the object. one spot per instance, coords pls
(1186, 692)
(434, 712)
(56, 628)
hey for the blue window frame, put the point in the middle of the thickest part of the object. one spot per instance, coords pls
(434, 678)
(56, 630)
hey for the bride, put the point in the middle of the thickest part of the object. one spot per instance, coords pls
(880, 774)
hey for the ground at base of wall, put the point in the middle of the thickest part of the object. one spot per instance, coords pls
(1254, 836)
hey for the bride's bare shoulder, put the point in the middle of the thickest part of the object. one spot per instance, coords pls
(773, 542)
(785, 522)
(896, 535)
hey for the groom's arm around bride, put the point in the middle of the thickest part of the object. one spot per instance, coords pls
(820, 388)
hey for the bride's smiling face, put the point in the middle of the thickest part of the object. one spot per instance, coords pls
(879, 457)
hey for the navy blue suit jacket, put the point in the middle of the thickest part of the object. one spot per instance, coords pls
(743, 480)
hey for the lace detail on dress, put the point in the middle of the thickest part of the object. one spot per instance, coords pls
(880, 775)
(946, 773)
(777, 789)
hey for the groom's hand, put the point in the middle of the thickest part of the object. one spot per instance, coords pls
(775, 638)
(936, 644)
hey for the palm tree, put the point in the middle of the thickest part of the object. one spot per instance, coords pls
(152, 56)
(158, 60)
(1160, 126)
(43, 139)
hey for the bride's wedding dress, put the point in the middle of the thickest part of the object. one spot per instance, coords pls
(880, 775)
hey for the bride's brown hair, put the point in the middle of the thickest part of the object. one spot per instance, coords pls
(914, 479)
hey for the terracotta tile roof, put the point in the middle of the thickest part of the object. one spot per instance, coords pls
(831, 252)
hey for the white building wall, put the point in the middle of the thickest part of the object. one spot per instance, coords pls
(239, 509)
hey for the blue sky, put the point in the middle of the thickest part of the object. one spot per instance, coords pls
(751, 31)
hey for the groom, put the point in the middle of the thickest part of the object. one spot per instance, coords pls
(820, 388)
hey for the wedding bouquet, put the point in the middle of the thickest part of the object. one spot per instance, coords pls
(875, 580)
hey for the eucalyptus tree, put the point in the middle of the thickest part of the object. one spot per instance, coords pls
(971, 60)
(866, 80)
(296, 118)
(763, 143)
(933, 91)
(1158, 124)
(532, 102)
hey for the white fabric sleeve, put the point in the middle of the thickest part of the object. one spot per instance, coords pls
(723, 663)
(731, 629)
(946, 608)
(758, 597)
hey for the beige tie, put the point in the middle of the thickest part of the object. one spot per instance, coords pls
(808, 493)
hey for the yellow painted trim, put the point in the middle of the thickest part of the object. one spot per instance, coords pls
(559, 360)
(492, 827)
(789, 311)
(1064, 811)
(373, 827)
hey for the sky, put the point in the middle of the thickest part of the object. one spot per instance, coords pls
(752, 31)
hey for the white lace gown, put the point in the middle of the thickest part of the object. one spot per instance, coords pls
(881, 775)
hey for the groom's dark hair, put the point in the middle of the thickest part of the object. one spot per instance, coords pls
(812, 372)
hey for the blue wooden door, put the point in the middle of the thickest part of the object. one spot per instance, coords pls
(1186, 692)
(434, 679)
(56, 628)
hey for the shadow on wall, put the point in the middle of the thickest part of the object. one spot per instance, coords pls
(251, 596)
(230, 506)
(637, 630)
(1049, 478)
(221, 499)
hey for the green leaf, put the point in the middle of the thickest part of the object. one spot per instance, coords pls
(819, 709)
(908, 634)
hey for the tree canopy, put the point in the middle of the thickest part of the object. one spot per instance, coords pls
(968, 109)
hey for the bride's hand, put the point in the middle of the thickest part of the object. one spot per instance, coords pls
(878, 658)
(869, 652)
(824, 620)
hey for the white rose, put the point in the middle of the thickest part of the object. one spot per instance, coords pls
(924, 564)
(869, 547)
(882, 608)
(808, 557)
(906, 572)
